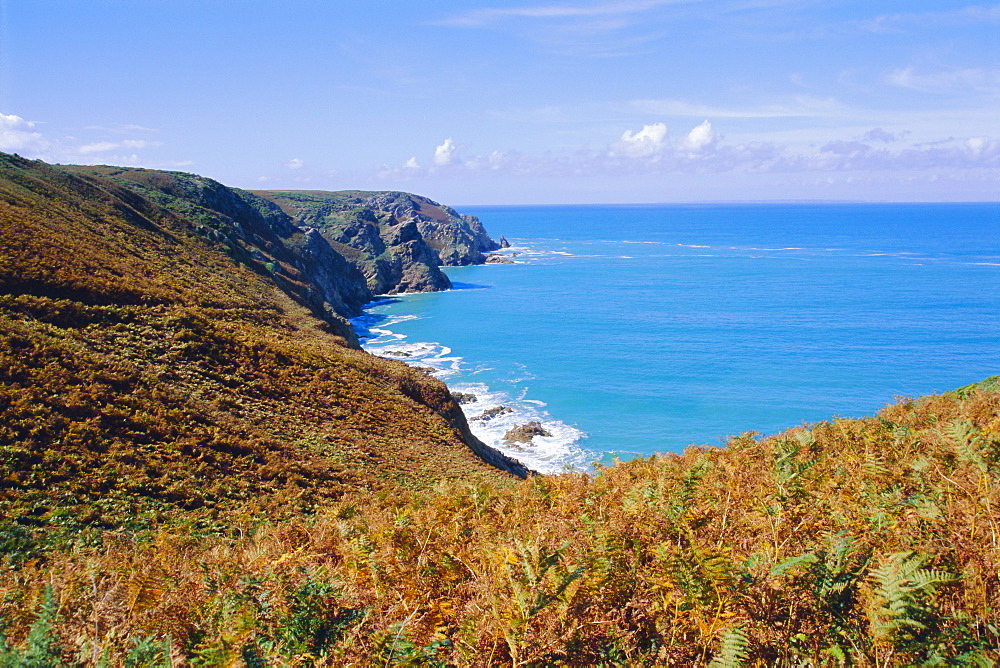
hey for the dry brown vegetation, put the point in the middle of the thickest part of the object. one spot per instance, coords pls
(145, 371)
(194, 471)
(869, 542)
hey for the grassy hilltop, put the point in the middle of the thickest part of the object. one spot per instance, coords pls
(198, 467)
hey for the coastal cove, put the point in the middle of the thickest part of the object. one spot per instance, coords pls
(629, 330)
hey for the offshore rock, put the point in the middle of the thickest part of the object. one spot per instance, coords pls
(503, 242)
(464, 397)
(496, 258)
(491, 413)
(525, 432)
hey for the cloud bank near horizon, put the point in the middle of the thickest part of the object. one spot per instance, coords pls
(703, 150)
(699, 151)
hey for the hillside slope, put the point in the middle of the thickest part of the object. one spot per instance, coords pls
(197, 468)
(871, 542)
(152, 362)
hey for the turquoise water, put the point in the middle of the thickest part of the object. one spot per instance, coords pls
(628, 330)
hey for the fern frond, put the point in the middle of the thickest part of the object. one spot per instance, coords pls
(733, 649)
(964, 439)
(902, 595)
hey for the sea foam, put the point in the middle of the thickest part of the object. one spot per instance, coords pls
(559, 452)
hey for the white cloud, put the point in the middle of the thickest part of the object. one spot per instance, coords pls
(614, 28)
(445, 153)
(17, 134)
(878, 134)
(977, 144)
(647, 142)
(140, 143)
(703, 151)
(105, 146)
(971, 15)
(700, 138)
(21, 136)
(295, 163)
(799, 106)
(968, 79)
(481, 17)
(99, 147)
(121, 129)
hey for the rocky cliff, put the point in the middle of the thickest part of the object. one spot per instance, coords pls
(254, 232)
(458, 239)
(397, 240)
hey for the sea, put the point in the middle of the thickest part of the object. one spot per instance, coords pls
(638, 329)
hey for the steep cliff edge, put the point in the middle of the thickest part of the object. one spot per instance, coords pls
(161, 352)
(458, 239)
(397, 240)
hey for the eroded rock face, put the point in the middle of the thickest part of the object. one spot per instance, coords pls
(458, 239)
(339, 283)
(525, 432)
(491, 413)
(257, 234)
(385, 235)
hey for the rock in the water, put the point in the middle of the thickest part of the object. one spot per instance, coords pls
(398, 353)
(465, 397)
(495, 258)
(504, 243)
(525, 432)
(491, 413)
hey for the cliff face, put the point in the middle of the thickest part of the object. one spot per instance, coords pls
(168, 344)
(256, 233)
(397, 240)
(459, 240)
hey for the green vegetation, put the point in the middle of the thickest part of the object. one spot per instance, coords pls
(196, 469)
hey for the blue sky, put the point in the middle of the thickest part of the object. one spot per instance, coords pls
(477, 102)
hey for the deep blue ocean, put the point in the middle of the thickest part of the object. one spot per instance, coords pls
(629, 330)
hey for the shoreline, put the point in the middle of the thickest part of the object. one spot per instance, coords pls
(491, 413)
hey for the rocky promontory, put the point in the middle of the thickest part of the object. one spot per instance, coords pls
(330, 251)
(397, 240)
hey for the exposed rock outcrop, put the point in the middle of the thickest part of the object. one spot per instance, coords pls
(389, 251)
(491, 413)
(258, 233)
(397, 240)
(496, 258)
(525, 432)
(458, 239)
(503, 242)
